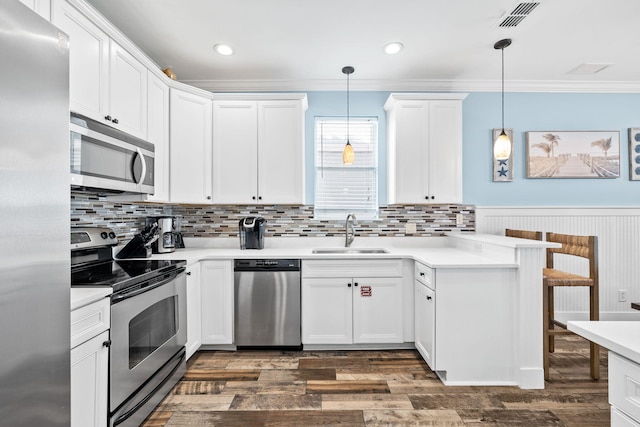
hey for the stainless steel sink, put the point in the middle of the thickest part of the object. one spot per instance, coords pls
(350, 251)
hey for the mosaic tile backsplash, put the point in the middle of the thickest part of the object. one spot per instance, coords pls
(128, 218)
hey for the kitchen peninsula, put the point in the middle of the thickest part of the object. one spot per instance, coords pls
(485, 320)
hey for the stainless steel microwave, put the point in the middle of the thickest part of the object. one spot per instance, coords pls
(105, 158)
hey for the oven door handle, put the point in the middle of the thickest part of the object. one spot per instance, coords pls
(122, 418)
(121, 297)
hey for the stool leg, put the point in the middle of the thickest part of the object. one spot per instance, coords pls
(552, 338)
(545, 329)
(594, 314)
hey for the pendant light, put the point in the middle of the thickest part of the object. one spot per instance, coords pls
(502, 144)
(347, 154)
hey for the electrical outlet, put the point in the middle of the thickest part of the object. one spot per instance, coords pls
(410, 228)
(622, 295)
(459, 219)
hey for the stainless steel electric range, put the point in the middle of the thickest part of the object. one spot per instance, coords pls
(148, 322)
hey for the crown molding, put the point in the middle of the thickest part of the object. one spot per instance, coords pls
(570, 86)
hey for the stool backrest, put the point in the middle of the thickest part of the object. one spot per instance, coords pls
(523, 234)
(581, 246)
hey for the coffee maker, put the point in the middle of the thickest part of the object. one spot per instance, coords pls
(166, 234)
(251, 231)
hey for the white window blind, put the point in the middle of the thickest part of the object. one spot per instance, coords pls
(340, 188)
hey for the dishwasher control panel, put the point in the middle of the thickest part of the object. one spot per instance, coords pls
(267, 264)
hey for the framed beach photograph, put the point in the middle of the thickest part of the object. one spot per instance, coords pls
(573, 154)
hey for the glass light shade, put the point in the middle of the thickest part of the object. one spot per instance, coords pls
(348, 155)
(502, 147)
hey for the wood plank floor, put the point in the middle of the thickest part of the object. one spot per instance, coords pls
(374, 388)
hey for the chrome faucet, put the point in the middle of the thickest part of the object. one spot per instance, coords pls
(349, 224)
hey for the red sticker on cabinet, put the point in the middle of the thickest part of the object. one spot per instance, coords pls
(365, 291)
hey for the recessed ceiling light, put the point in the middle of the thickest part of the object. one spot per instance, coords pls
(223, 49)
(392, 48)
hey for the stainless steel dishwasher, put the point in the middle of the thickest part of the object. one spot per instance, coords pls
(267, 303)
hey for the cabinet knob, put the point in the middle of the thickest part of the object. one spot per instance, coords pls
(188, 273)
(348, 285)
(107, 118)
(433, 197)
(259, 197)
(421, 274)
(253, 197)
(208, 197)
(107, 343)
(115, 121)
(428, 298)
(355, 284)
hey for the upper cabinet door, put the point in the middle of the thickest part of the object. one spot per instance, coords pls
(410, 145)
(127, 92)
(88, 61)
(445, 149)
(281, 152)
(235, 152)
(190, 147)
(158, 134)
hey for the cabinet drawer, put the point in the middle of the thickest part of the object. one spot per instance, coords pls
(624, 385)
(352, 268)
(618, 419)
(424, 274)
(89, 321)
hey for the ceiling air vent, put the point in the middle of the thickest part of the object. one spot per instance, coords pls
(518, 14)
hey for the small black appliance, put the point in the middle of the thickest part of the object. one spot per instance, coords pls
(252, 232)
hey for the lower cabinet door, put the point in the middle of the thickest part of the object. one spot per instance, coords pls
(89, 370)
(425, 304)
(377, 310)
(194, 313)
(217, 301)
(326, 311)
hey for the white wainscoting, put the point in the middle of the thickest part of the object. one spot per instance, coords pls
(618, 231)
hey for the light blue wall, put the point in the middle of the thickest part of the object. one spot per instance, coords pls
(523, 112)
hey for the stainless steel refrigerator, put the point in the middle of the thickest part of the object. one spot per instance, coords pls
(34, 220)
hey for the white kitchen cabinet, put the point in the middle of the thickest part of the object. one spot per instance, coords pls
(194, 313)
(90, 364)
(624, 391)
(106, 83)
(217, 302)
(473, 315)
(424, 148)
(41, 7)
(158, 134)
(258, 149)
(362, 308)
(190, 148)
(425, 314)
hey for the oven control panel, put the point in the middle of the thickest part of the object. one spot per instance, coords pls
(90, 237)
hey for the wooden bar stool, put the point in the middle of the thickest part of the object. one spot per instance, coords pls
(580, 246)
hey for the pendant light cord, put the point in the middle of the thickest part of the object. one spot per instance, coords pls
(348, 108)
(502, 89)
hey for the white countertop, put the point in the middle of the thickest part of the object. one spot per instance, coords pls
(84, 296)
(621, 337)
(431, 251)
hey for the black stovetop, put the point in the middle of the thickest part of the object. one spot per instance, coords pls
(122, 274)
